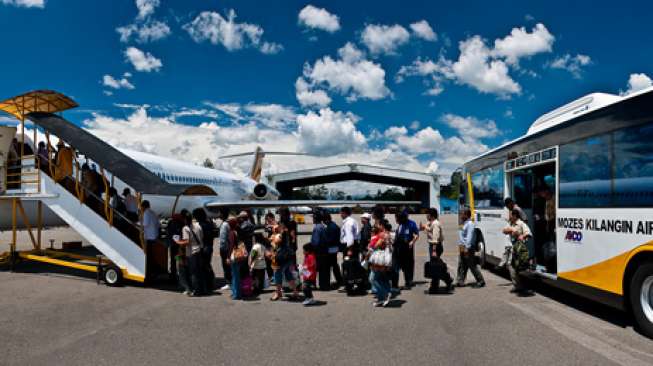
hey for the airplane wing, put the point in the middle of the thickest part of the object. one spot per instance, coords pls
(307, 203)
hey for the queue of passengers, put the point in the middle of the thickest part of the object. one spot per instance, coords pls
(251, 262)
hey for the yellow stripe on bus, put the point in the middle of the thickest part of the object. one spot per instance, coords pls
(607, 275)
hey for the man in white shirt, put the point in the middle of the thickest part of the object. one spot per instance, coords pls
(349, 233)
(151, 226)
(466, 261)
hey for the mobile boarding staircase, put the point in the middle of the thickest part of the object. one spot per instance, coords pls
(43, 179)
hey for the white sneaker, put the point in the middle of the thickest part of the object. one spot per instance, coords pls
(308, 302)
(225, 287)
(386, 302)
(377, 304)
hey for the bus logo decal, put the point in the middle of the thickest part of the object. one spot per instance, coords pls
(574, 236)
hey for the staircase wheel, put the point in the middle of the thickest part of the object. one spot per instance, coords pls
(112, 276)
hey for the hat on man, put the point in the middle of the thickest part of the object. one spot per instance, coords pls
(366, 216)
(243, 215)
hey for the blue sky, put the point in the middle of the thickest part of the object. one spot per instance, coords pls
(421, 85)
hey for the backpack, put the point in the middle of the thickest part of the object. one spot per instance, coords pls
(475, 248)
(520, 255)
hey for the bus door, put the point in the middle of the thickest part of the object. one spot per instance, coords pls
(533, 190)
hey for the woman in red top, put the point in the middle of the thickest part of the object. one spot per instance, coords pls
(309, 274)
(379, 277)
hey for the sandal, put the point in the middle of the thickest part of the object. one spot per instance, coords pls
(275, 297)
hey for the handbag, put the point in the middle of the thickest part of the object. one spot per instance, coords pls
(381, 257)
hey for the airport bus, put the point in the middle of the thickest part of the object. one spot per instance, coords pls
(583, 174)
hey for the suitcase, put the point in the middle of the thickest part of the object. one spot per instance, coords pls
(247, 286)
(353, 274)
(427, 270)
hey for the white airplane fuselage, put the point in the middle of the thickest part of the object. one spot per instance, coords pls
(229, 188)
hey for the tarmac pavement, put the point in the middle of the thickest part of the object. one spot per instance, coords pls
(54, 316)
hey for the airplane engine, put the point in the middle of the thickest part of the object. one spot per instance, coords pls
(264, 191)
(261, 191)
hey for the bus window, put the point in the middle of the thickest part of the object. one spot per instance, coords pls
(633, 174)
(488, 187)
(522, 191)
(585, 173)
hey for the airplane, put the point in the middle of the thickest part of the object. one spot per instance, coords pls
(233, 191)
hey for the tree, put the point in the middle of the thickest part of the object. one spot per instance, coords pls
(301, 194)
(452, 190)
(208, 164)
(319, 192)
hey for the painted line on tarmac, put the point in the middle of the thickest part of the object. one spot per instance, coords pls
(583, 317)
(603, 348)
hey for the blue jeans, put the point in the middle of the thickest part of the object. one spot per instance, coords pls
(381, 283)
(235, 281)
(284, 271)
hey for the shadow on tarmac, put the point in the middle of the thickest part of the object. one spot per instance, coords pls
(604, 312)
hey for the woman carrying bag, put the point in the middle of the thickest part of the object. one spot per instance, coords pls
(237, 257)
(380, 259)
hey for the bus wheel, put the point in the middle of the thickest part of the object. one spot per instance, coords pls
(641, 298)
(112, 276)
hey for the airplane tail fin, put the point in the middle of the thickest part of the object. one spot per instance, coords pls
(257, 166)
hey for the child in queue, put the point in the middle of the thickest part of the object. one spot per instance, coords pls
(309, 274)
(257, 266)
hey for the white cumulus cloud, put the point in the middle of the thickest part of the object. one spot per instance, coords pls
(310, 98)
(637, 82)
(423, 30)
(332, 136)
(445, 152)
(214, 28)
(384, 39)
(146, 7)
(471, 127)
(25, 3)
(476, 68)
(486, 69)
(572, 64)
(143, 33)
(142, 61)
(329, 133)
(350, 75)
(318, 18)
(120, 83)
(520, 43)
(274, 115)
